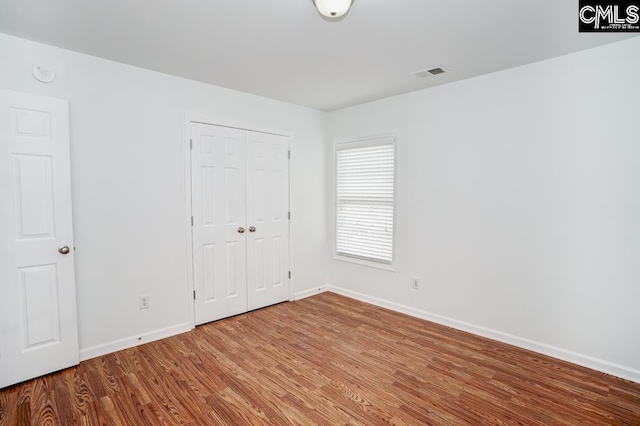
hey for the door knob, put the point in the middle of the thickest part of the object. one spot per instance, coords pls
(252, 229)
(241, 230)
(63, 249)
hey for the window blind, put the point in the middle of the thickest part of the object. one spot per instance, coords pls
(365, 200)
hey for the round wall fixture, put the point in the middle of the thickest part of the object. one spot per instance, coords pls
(45, 75)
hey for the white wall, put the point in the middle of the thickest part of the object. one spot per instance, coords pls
(518, 198)
(518, 206)
(128, 178)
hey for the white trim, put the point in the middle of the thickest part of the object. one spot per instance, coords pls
(542, 348)
(366, 137)
(539, 347)
(387, 139)
(290, 220)
(195, 117)
(189, 228)
(364, 262)
(130, 342)
(223, 122)
(308, 293)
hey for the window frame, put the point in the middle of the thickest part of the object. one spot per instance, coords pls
(359, 142)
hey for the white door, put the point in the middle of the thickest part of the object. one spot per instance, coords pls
(267, 218)
(218, 208)
(38, 322)
(240, 205)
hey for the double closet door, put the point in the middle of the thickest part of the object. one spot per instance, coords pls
(240, 208)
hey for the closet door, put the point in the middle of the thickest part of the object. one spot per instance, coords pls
(267, 219)
(219, 215)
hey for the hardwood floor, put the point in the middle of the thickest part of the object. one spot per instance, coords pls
(323, 360)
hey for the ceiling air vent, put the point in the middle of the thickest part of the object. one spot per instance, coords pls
(428, 73)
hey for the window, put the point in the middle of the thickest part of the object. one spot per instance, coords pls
(365, 177)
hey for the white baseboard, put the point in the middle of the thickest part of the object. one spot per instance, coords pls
(129, 342)
(308, 293)
(542, 348)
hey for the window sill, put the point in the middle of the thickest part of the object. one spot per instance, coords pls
(362, 262)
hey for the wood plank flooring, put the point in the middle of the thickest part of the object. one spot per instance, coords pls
(323, 360)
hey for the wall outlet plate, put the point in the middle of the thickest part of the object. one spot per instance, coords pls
(143, 301)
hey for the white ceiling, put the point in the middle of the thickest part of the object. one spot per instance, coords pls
(283, 49)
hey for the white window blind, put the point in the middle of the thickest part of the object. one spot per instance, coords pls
(365, 200)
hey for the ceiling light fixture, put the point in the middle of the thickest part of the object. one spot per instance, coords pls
(333, 8)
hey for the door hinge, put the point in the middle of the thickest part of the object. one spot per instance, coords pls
(289, 274)
(191, 220)
(289, 154)
(190, 143)
(194, 295)
(289, 215)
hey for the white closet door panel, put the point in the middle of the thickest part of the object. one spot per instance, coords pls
(267, 211)
(38, 321)
(218, 206)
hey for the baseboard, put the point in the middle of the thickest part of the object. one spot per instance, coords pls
(542, 348)
(308, 293)
(129, 342)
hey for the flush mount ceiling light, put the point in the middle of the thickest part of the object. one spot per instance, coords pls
(333, 8)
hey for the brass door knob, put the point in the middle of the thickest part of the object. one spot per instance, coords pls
(63, 249)
(241, 230)
(252, 229)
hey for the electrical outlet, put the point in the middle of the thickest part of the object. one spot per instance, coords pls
(144, 302)
(416, 284)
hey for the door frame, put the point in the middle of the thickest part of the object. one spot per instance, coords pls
(194, 117)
